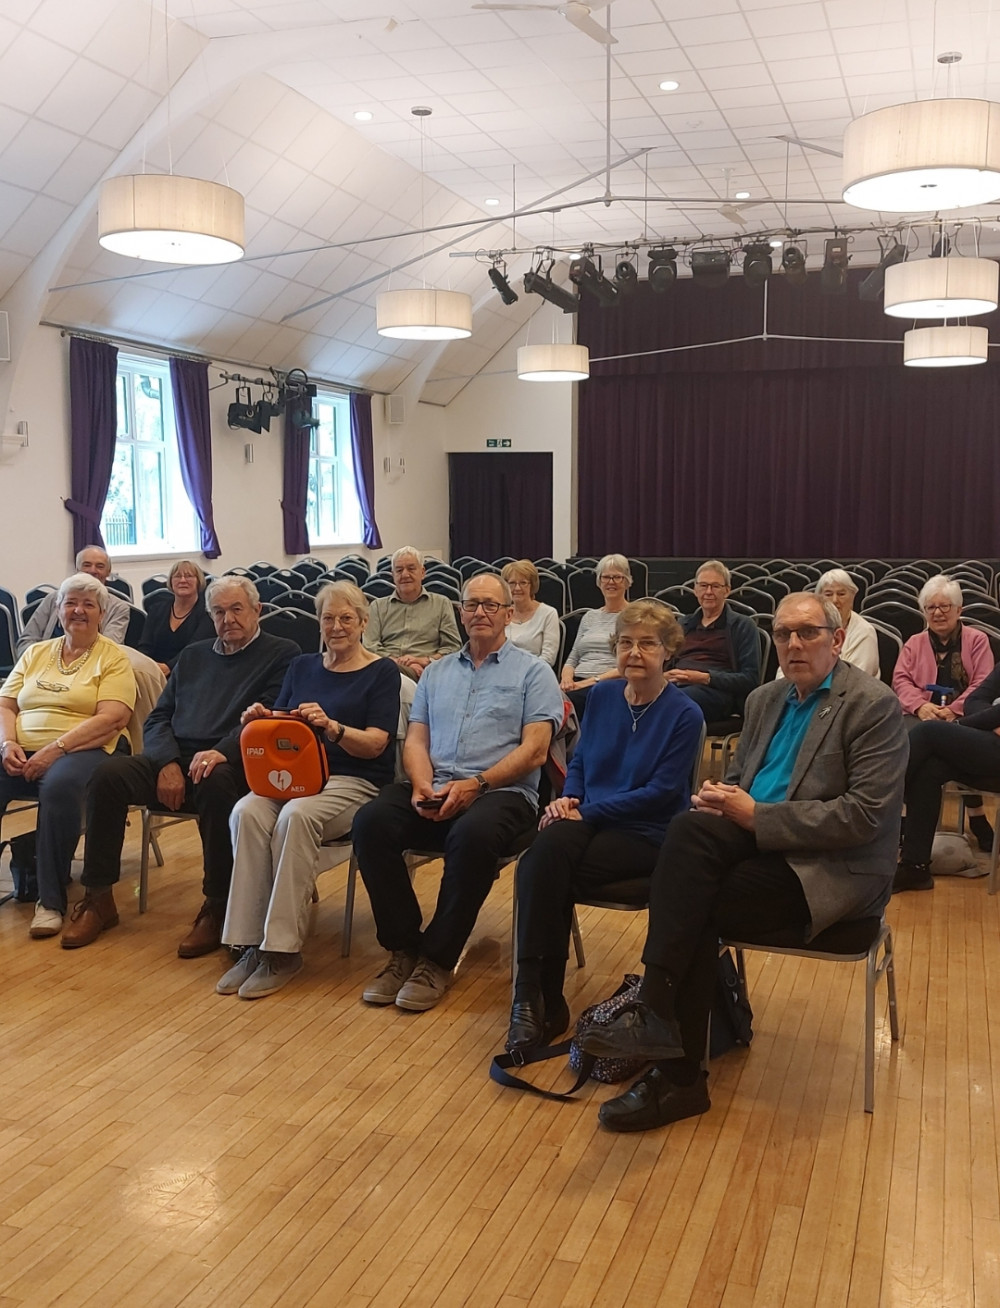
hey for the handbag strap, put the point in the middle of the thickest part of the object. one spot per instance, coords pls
(500, 1073)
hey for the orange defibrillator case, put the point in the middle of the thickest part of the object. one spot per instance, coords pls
(283, 758)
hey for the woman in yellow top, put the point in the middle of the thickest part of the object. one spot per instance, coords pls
(62, 711)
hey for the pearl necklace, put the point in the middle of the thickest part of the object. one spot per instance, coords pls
(70, 670)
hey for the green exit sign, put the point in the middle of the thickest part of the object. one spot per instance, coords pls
(498, 442)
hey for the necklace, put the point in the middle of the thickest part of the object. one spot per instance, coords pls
(69, 669)
(637, 717)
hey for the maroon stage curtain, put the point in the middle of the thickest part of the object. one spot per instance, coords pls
(780, 447)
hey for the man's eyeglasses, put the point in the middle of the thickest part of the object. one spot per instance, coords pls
(645, 645)
(710, 585)
(487, 606)
(782, 635)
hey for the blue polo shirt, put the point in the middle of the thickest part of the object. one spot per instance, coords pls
(475, 716)
(770, 785)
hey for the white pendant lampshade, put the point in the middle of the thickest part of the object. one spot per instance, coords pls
(556, 362)
(941, 288)
(423, 315)
(927, 154)
(169, 219)
(945, 347)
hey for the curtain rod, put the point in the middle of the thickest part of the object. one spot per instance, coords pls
(162, 350)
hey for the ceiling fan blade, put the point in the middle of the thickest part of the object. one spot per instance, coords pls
(527, 9)
(732, 214)
(579, 16)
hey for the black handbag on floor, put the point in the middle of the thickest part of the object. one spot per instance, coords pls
(23, 868)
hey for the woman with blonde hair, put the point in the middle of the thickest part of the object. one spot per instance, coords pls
(172, 627)
(533, 626)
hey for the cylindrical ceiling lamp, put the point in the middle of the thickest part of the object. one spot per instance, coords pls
(927, 154)
(945, 347)
(941, 288)
(423, 315)
(169, 219)
(556, 362)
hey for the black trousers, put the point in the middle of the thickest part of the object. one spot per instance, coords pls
(496, 824)
(122, 782)
(940, 752)
(715, 704)
(710, 881)
(567, 862)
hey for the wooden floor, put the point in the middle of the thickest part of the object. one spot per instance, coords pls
(160, 1144)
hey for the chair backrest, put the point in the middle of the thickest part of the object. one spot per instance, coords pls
(640, 579)
(8, 639)
(158, 581)
(377, 586)
(295, 599)
(10, 604)
(882, 592)
(120, 587)
(469, 567)
(37, 594)
(907, 620)
(551, 590)
(154, 598)
(295, 625)
(358, 571)
(268, 588)
(991, 634)
(262, 569)
(291, 577)
(310, 569)
(877, 567)
(571, 625)
(438, 585)
(890, 643)
(149, 683)
(761, 601)
(28, 610)
(584, 592)
(136, 626)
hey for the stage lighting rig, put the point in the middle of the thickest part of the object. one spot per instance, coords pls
(833, 276)
(498, 276)
(710, 267)
(874, 284)
(539, 282)
(626, 278)
(589, 276)
(662, 268)
(757, 263)
(793, 265)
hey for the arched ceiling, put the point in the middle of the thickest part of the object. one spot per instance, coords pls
(263, 95)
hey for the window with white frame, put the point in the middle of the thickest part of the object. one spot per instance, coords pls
(147, 510)
(333, 514)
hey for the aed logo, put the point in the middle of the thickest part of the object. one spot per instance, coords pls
(298, 790)
(255, 751)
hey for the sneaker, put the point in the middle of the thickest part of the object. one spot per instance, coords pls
(46, 922)
(912, 876)
(273, 972)
(426, 986)
(389, 982)
(242, 970)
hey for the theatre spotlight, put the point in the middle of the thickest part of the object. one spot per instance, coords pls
(589, 276)
(710, 267)
(540, 283)
(662, 268)
(833, 275)
(242, 414)
(498, 276)
(757, 263)
(793, 265)
(626, 279)
(874, 284)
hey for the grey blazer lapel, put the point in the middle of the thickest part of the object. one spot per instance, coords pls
(825, 715)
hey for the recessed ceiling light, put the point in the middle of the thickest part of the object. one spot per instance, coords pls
(669, 86)
(777, 243)
(743, 195)
(363, 115)
(492, 202)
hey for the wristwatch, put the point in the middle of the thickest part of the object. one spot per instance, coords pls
(482, 783)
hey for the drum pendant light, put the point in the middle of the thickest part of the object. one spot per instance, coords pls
(168, 219)
(555, 362)
(945, 347)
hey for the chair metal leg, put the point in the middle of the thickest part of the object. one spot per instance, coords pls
(871, 976)
(581, 957)
(890, 984)
(147, 838)
(991, 885)
(348, 927)
(154, 841)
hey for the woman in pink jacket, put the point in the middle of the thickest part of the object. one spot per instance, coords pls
(946, 655)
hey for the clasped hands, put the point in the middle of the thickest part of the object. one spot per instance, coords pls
(17, 764)
(170, 781)
(725, 801)
(457, 797)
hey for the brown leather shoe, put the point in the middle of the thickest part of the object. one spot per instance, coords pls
(206, 934)
(95, 912)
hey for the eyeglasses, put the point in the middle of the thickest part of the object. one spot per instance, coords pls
(645, 644)
(938, 608)
(782, 635)
(487, 606)
(710, 585)
(51, 685)
(616, 577)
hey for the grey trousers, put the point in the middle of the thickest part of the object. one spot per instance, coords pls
(275, 849)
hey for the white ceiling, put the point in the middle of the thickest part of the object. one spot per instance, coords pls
(263, 96)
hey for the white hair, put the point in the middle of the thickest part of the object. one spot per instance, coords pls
(80, 553)
(837, 577)
(407, 552)
(614, 563)
(715, 565)
(940, 585)
(88, 584)
(229, 581)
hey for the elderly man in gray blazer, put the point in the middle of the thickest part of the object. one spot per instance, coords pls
(803, 833)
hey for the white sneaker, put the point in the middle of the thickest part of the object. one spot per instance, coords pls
(46, 922)
(427, 985)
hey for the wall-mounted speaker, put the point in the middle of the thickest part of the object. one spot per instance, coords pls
(4, 337)
(395, 410)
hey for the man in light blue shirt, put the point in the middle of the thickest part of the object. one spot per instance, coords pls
(480, 728)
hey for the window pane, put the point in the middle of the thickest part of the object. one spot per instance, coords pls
(150, 495)
(148, 408)
(118, 520)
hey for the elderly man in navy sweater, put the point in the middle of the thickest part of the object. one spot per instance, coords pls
(191, 761)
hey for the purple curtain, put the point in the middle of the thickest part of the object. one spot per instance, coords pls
(295, 481)
(93, 370)
(364, 466)
(189, 384)
(500, 504)
(787, 448)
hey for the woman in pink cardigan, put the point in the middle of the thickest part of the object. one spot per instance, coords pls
(946, 654)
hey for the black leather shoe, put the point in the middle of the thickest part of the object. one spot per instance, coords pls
(527, 1025)
(637, 1032)
(653, 1101)
(556, 1019)
(912, 876)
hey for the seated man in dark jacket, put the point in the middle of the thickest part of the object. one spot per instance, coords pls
(719, 662)
(191, 760)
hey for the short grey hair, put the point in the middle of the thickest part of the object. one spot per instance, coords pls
(940, 585)
(508, 598)
(407, 552)
(830, 610)
(347, 593)
(80, 553)
(83, 581)
(837, 577)
(715, 565)
(229, 581)
(614, 563)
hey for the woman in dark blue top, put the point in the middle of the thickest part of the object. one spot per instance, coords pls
(630, 774)
(172, 627)
(352, 697)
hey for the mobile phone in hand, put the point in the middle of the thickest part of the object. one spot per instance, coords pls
(434, 802)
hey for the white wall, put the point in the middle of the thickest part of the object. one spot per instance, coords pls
(37, 531)
(536, 416)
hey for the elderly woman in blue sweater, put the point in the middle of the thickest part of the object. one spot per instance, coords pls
(629, 776)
